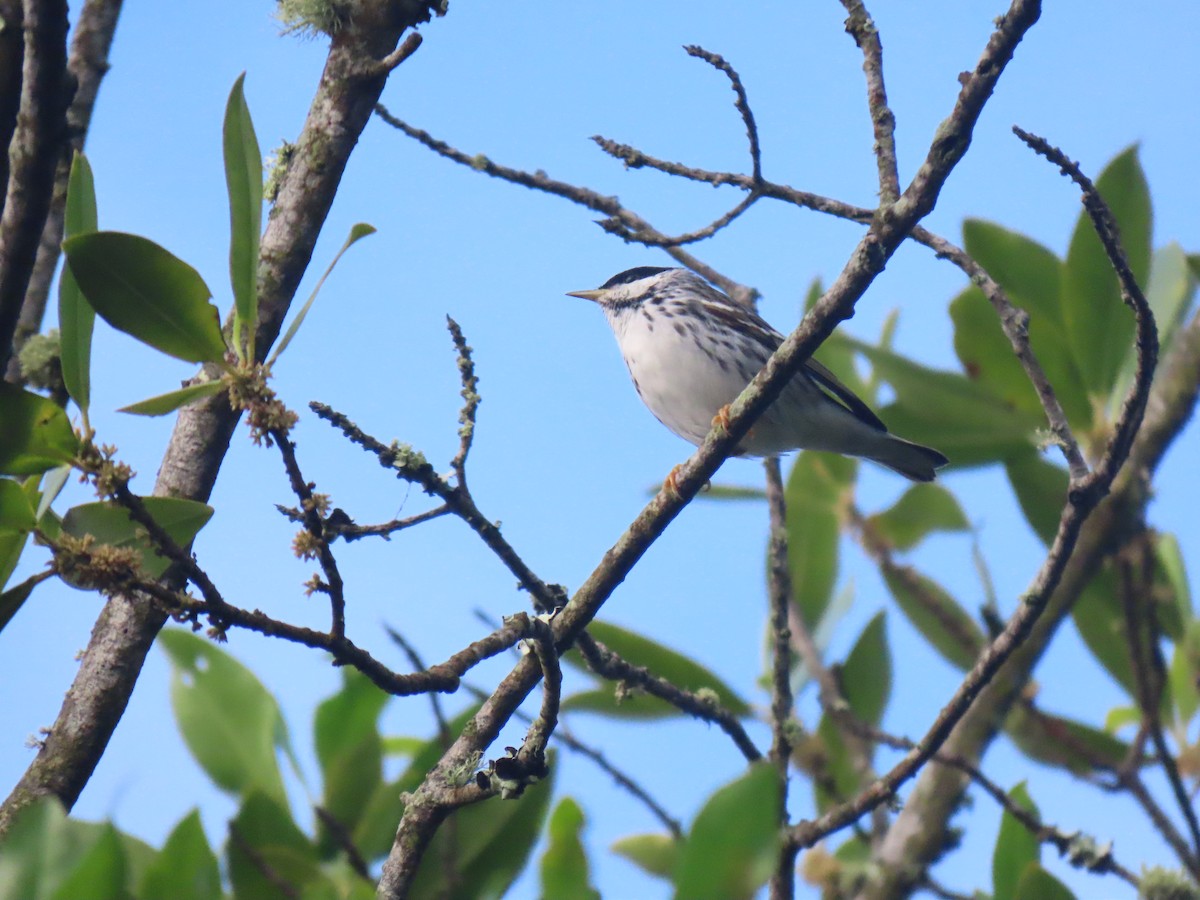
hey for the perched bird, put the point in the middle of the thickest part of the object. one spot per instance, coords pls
(691, 350)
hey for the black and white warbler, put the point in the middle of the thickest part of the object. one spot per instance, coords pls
(691, 350)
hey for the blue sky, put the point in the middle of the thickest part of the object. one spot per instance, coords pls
(564, 450)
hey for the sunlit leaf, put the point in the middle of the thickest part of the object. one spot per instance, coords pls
(1099, 326)
(16, 512)
(147, 292)
(173, 400)
(921, 510)
(37, 434)
(654, 854)
(244, 179)
(75, 316)
(866, 674)
(1016, 847)
(1037, 882)
(109, 523)
(357, 232)
(733, 845)
(564, 867)
(230, 722)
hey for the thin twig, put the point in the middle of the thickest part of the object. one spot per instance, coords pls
(742, 103)
(466, 418)
(861, 27)
(435, 702)
(342, 837)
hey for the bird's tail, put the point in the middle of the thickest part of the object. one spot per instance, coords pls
(913, 461)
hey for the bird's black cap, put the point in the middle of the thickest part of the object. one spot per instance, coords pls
(632, 275)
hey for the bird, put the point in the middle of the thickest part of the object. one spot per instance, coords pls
(691, 349)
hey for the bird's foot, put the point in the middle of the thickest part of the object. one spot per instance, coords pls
(722, 418)
(671, 482)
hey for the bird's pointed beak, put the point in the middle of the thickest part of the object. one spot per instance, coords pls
(586, 295)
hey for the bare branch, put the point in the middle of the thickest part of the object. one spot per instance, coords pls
(466, 419)
(861, 27)
(741, 103)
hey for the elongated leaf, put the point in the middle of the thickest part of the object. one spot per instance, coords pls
(75, 316)
(1015, 848)
(16, 512)
(350, 750)
(377, 825)
(662, 661)
(14, 598)
(36, 435)
(1031, 276)
(187, 868)
(959, 417)
(1185, 675)
(867, 672)
(1100, 619)
(145, 291)
(654, 854)
(564, 863)
(1057, 741)
(244, 179)
(357, 232)
(732, 846)
(1099, 327)
(490, 844)
(229, 721)
(1170, 293)
(937, 615)
(100, 874)
(816, 492)
(110, 524)
(1041, 489)
(264, 836)
(169, 402)
(921, 510)
(1037, 882)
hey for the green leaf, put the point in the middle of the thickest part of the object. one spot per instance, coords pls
(662, 661)
(1185, 675)
(244, 178)
(377, 825)
(867, 673)
(186, 869)
(723, 492)
(1015, 848)
(14, 598)
(564, 863)
(1099, 326)
(350, 750)
(654, 854)
(960, 417)
(1031, 276)
(264, 826)
(733, 845)
(229, 721)
(145, 291)
(922, 509)
(1169, 557)
(937, 615)
(16, 512)
(1099, 617)
(75, 316)
(1060, 742)
(816, 493)
(1170, 292)
(1041, 489)
(109, 523)
(173, 400)
(46, 856)
(357, 232)
(1037, 882)
(101, 873)
(37, 434)
(488, 844)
